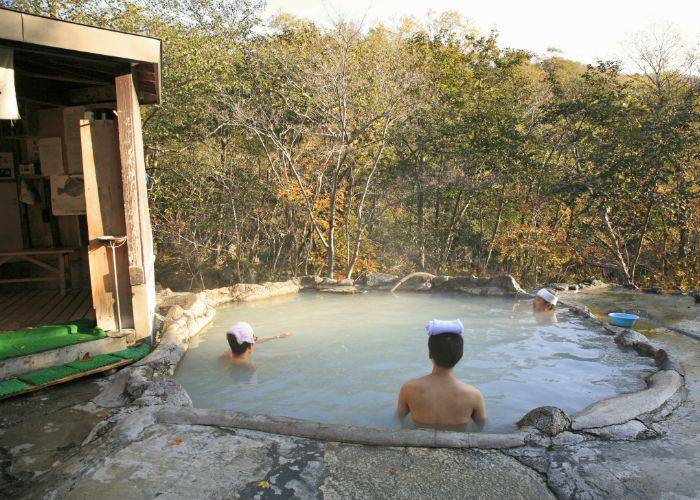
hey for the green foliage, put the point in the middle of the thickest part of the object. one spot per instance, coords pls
(285, 148)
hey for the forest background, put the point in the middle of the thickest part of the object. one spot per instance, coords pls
(285, 148)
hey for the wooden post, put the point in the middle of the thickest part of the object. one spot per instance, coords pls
(138, 221)
(104, 202)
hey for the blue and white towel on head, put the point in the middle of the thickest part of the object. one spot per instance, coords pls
(438, 326)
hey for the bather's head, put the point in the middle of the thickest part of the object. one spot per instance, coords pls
(241, 339)
(446, 349)
(544, 301)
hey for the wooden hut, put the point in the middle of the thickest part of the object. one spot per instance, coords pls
(72, 176)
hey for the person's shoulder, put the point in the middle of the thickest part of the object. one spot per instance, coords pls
(414, 383)
(470, 391)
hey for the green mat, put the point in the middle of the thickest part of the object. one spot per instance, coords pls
(96, 362)
(134, 353)
(47, 375)
(40, 377)
(11, 386)
(45, 338)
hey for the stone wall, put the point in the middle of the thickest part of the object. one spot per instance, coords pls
(182, 315)
(495, 286)
(149, 383)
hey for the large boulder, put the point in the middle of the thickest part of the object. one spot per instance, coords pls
(637, 341)
(507, 283)
(563, 287)
(440, 281)
(548, 419)
(460, 283)
(182, 299)
(503, 284)
(416, 284)
(310, 281)
(629, 431)
(247, 292)
(378, 280)
(218, 296)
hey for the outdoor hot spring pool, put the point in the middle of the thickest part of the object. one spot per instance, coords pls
(349, 354)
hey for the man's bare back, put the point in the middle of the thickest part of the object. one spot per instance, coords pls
(441, 399)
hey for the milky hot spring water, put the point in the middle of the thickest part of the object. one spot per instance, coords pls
(349, 354)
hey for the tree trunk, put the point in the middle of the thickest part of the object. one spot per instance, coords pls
(638, 253)
(682, 226)
(494, 233)
(615, 246)
(330, 255)
(421, 228)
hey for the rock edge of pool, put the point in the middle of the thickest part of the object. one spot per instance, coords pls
(150, 394)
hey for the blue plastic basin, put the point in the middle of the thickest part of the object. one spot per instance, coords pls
(623, 320)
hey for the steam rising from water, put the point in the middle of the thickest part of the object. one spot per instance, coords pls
(349, 355)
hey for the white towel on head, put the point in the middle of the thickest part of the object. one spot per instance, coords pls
(548, 296)
(243, 332)
(438, 326)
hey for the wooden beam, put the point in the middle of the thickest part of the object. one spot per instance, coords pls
(58, 78)
(131, 151)
(138, 221)
(54, 104)
(39, 263)
(105, 216)
(90, 95)
(147, 81)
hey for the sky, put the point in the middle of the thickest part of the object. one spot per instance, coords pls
(585, 31)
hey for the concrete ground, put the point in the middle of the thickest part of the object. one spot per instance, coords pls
(42, 430)
(131, 456)
(147, 460)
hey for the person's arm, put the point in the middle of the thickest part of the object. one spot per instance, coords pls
(267, 339)
(479, 410)
(402, 407)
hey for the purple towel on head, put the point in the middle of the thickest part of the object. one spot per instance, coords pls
(438, 326)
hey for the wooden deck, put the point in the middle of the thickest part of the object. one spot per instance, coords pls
(43, 307)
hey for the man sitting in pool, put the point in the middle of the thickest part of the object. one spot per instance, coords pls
(544, 301)
(440, 399)
(241, 340)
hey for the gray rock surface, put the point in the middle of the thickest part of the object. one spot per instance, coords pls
(440, 281)
(310, 281)
(417, 284)
(548, 419)
(378, 280)
(569, 439)
(164, 391)
(368, 472)
(661, 386)
(479, 285)
(637, 341)
(634, 429)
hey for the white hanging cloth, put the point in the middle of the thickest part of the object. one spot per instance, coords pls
(8, 98)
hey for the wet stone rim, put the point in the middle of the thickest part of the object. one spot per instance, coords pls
(150, 382)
